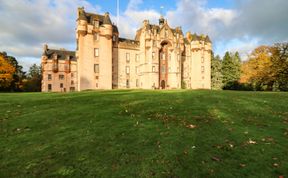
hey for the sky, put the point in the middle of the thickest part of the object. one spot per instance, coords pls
(232, 25)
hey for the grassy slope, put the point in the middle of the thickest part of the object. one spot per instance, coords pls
(144, 133)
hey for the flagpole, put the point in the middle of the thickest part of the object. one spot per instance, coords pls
(117, 12)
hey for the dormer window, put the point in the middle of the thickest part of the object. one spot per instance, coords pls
(96, 23)
(166, 33)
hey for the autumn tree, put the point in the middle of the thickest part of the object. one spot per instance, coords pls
(280, 66)
(257, 70)
(6, 72)
(216, 75)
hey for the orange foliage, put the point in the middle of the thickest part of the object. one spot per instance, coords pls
(6, 72)
(258, 66)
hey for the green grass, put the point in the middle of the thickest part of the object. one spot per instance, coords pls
(142, 133)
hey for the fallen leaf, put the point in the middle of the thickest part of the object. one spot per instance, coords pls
(242, 165)
(251, 141)
(214, 158)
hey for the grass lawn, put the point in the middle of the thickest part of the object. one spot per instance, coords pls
(140, 133)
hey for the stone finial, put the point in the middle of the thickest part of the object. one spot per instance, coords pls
(106, 14)
(45, 47)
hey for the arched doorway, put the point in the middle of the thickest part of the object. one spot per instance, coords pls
(163, 84)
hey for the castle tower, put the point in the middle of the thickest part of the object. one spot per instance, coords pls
(94, 51)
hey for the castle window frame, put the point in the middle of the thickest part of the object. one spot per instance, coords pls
(114, 38)
(72, 82)
(61, 77)
(49, 77)
(96, 23)
(96, 68)
(202, 59)
(153, 55)
(163, 69)
(137, 69)
(72, 75)
(127, 70)
(127, 57)
(96, 36)
(127, 83)
(153, 69)
(137, 57)
(49, 87)
(137, 82)
(72, 88)
(96, 52)
(61, 85)
(202, 69)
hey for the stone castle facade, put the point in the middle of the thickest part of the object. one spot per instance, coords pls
(160, 57)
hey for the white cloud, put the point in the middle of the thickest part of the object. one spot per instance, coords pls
(28, 24)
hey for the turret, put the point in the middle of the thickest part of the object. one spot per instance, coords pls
(108, 30)
(44, 54)
(161, 21)
(81, 21)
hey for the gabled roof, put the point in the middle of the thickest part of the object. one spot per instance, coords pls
(61, 54)
(90, 17)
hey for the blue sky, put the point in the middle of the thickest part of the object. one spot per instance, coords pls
(233, 25)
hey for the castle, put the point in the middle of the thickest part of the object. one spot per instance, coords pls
(160, 57)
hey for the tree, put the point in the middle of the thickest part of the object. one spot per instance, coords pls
(231, 70)
(216, 75)
(33, 81)
(6, 72)
(280, 66)
(257, 70)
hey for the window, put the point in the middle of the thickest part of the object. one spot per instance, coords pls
(96, 24)
(137, 70)
(153, 69)
(137, 83)
(61, 85)
(114, 38)
(154, 43)
(72, 88)
(96, 85)
(137, 57)
(97, 77)
(163, 69)
(202, 69)
(202, 59)
(72, 82)
(72, 75)
(49, 87)
(127, 57)
(96, 68)
(153, 55)
(96, 36)
(166, 33)
(49, 77)
(127, 70)
(127, 84)
(96, 52)
(61, 77)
